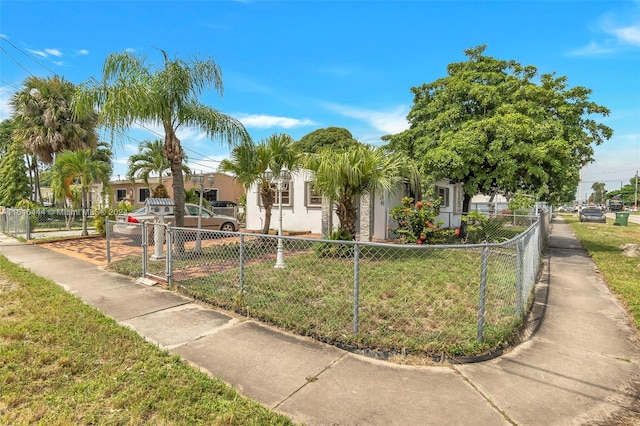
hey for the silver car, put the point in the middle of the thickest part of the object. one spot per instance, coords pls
(593, 214)
(128, 224)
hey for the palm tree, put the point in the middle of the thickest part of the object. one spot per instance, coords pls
(249, 161)
(131, 91)
(46, 124)
(342, 176)
(150, 160)
(80, 167)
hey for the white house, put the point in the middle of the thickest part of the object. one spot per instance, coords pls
(304, 210)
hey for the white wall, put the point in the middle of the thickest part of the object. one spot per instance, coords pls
(296, 217)
(299, 217)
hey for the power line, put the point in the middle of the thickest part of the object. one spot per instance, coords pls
(28, 56)
(16, 61)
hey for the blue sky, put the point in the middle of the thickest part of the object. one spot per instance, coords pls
(296, 66)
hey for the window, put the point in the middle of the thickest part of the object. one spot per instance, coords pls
(210, 195)
(143, 194)
(312, 197)
(286, 195)
(121, 195)
(443, 193)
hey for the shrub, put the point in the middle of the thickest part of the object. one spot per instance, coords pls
(325, 249)
(416, 223)
(100, 219)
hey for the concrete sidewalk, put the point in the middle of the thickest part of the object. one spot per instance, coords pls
(581, 364)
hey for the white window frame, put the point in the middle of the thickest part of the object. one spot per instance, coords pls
(308, 196)
(444, 193)
(287, 195)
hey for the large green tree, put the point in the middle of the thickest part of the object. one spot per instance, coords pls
(133, 91)
(13, 175)
(150, 160)
(82, 168)
(496, 125)
(337, 138)
(598, 192)
(343, 176)
(45, 121)
(248, 162)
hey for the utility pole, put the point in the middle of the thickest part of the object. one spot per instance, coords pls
(636, 199)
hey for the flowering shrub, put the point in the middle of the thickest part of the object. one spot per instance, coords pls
(416, 223)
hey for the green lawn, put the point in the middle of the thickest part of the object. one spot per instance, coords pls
(63, 362)
(621, 273)
(411, 300)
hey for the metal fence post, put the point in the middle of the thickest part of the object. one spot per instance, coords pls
(28, 225)
(519, 276)
(356, 287)
(169, 261)
(483, 290)
(241, 261)
(145, 249)
(107, 226)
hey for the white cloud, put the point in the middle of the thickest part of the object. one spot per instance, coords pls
(628, 35)
(37, 53)
(53, 52)
(268, 121)
(82, 52)
(5, 97)
(592, 49)
(389, 122)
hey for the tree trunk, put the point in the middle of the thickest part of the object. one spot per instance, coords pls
(174, 153)
(347, 214)
(466, 202)
(268, 198)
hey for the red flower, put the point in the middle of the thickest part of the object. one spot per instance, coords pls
(419, 205)
(426, 222)
(458, 231)
(419, 241)
(423, 237)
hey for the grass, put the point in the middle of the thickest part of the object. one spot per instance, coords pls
(621, 273)
(63, 362)
(410, 300)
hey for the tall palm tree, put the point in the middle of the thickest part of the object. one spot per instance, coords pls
(249, 161)
(131, 91)
(342, 176)
(46, 123)
(150, 160)
(78, 167)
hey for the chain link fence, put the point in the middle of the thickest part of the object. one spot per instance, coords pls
(375, 298)
(43, 223)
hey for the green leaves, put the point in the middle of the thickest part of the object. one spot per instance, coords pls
(498, 125)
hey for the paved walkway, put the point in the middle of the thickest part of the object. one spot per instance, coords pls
(581, 364)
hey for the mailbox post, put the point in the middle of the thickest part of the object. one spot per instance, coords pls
(159, 208)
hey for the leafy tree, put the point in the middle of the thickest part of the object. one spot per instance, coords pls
(497, 125)
(131, 90)
(45, 122)
(626, 193)
(149, 160)
(6, 138)
(598, 192)
(81, 167)
(249, 161)
(342, 176)
(337, 138)
(13, 175)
